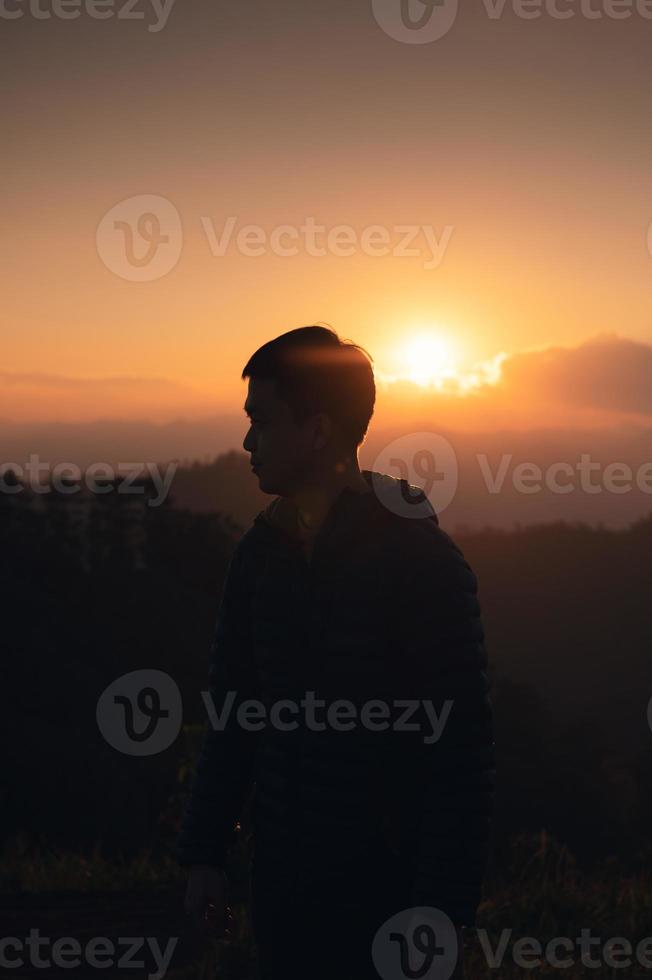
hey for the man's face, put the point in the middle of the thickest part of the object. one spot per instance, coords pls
(282, 451)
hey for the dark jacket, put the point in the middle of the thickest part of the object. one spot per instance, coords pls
(386, 610)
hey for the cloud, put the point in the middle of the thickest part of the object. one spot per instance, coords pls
(608, 373)
(37, 380)
(601, 383)
(605, 380)
(32, 396)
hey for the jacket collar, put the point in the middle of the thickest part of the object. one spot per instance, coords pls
(352, 510)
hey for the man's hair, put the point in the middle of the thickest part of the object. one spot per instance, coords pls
(315, 371)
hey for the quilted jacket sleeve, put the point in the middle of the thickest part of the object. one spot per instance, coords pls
(225, 765)
(445, 661)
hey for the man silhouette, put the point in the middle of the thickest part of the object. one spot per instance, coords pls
(342, 599)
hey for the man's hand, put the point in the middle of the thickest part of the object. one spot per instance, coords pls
(206, 900)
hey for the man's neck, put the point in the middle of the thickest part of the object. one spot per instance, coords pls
(314, 503)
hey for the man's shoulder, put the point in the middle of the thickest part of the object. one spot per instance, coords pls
(415, 534)
(247, 544)
(419, 548)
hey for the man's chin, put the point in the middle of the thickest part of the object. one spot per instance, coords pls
(265, 484)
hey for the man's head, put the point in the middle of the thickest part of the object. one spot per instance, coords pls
(310, 399)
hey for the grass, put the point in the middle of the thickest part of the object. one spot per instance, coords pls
(539, 892)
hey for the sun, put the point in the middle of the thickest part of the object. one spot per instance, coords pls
(428, 360)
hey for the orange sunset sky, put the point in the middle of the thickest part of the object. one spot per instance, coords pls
(524, 144)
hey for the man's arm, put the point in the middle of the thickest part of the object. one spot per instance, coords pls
(225, 765)
(445, 664)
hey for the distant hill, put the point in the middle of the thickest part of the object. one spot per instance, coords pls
(213, 470)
